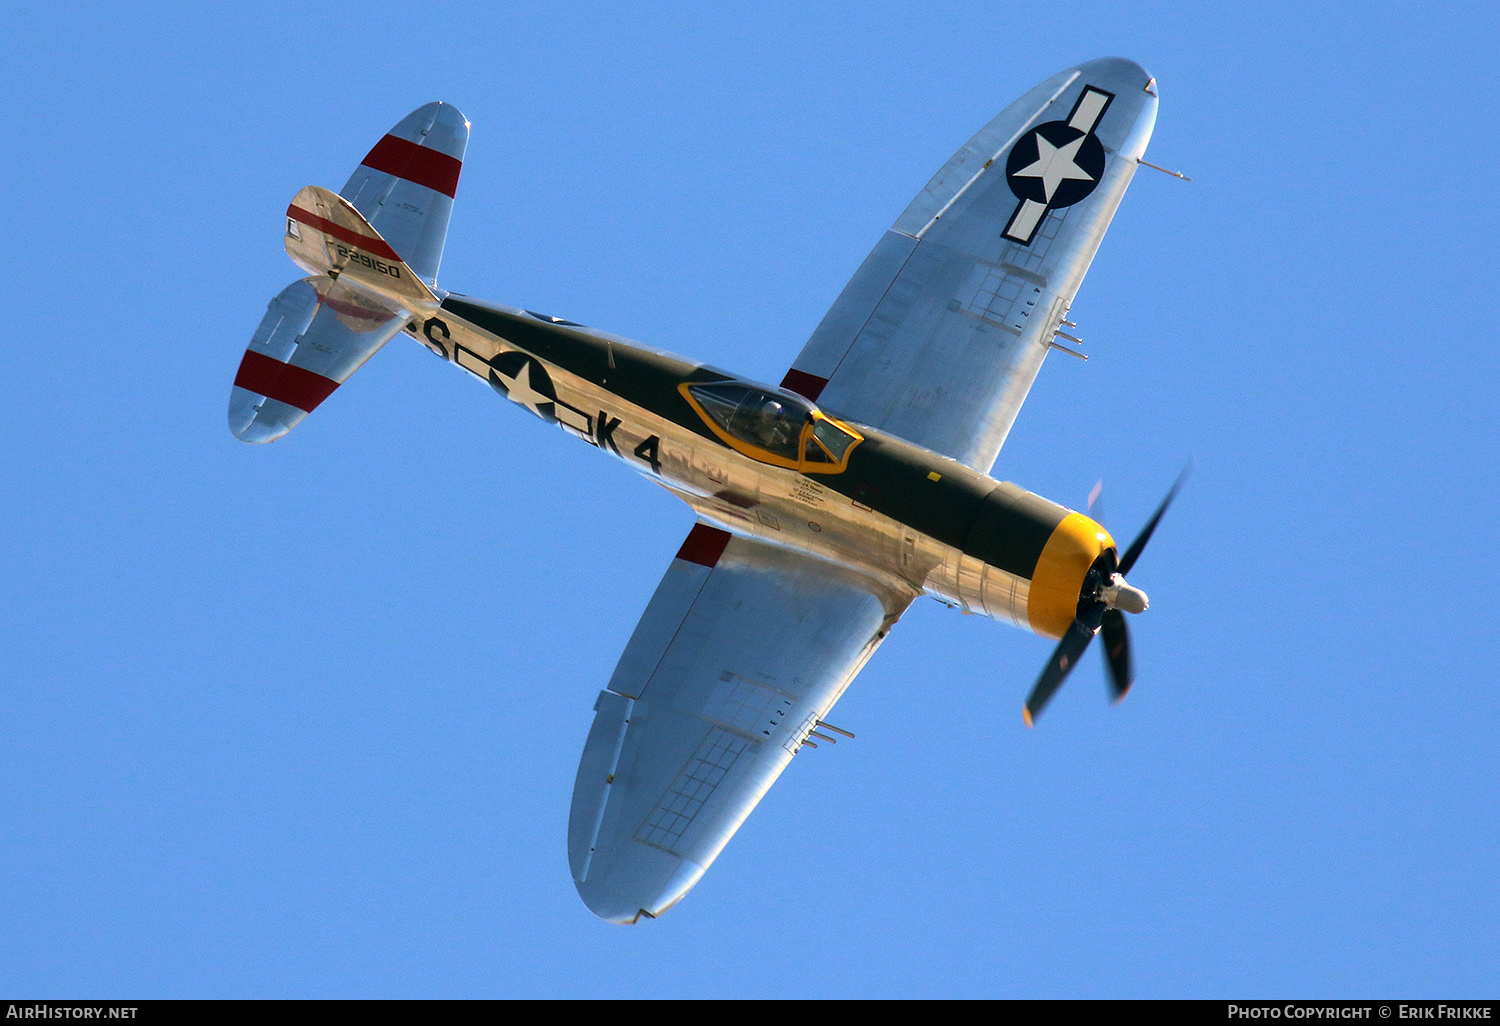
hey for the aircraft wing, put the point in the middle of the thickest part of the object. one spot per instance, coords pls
(940, 333)
(741, 651)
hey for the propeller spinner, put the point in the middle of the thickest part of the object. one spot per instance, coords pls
(1102, 604)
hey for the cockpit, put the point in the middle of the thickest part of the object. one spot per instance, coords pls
(774, 427)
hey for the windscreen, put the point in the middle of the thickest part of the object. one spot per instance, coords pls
(766, 420)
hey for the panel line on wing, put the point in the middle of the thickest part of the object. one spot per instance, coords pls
(672, 604)
(996, 155)
(865, 324)
(707, 767)
(746, 706)
(676, 633)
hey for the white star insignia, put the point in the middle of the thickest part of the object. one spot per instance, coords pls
(1054, 165)
(519, 389)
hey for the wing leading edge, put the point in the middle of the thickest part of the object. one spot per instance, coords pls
(742, 649)
(940, 333)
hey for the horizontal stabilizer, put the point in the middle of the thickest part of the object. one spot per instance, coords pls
(315, 334)
(326, 235)
(364, 282)
(405, 185)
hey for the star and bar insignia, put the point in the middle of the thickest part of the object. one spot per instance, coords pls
(1056, 164)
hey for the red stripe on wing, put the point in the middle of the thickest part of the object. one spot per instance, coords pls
(353, 238)
(283, 382)
(704, 545)
(418, 164)
(804, 384)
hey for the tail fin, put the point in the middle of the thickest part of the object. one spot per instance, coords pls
(326, 235)
(319, 331)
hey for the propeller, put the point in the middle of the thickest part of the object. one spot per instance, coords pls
(1105, 599)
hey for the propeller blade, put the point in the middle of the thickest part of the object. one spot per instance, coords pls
(1134, 552)
(1064, 658)
(1117, 653)
(1096, 502)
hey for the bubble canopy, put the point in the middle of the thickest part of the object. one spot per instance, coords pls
(773, 426)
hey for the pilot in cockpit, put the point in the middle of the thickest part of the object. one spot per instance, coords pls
(774, 429)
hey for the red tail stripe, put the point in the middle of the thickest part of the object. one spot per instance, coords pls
(418, 164)
(704, 545)
(353, 238)
(283, 382)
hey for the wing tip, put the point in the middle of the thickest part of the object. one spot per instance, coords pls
(632, 881)
(1123, 65)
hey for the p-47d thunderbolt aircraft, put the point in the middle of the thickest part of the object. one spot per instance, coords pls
(825, 505)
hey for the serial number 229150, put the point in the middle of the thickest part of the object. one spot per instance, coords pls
(379, 266)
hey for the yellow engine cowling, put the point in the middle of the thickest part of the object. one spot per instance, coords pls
(1052, 602)
(1027, 559)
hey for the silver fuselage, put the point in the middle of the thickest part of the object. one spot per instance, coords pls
(741, 494)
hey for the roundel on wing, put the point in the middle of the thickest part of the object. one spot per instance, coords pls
(522, 379)
(1055, 164)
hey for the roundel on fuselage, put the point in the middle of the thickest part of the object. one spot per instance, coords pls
(523, 380)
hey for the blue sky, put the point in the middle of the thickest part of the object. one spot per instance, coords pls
(303, 719)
